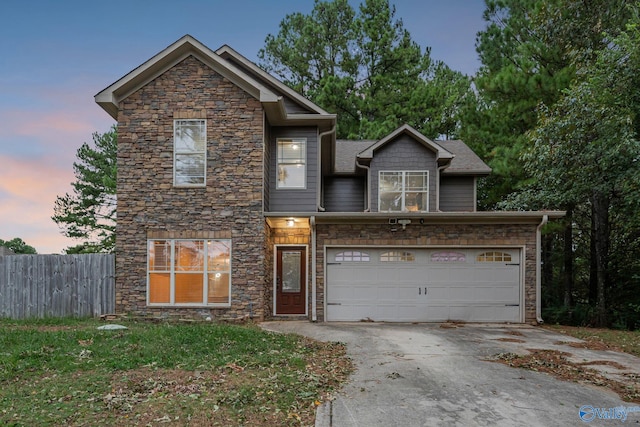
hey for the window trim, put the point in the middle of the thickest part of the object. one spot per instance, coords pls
(397, 255)
(301, 141)
(172, 274)
(494, 256)
(403, 190)
(176, 153)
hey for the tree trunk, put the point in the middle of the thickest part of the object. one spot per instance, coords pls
(567, 274)
(600, 215)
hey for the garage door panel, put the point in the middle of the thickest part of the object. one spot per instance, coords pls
(467, 286)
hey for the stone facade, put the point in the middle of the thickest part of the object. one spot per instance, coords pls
(229, 206)
(490, 235)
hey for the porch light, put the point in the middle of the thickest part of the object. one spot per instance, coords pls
(291, 222)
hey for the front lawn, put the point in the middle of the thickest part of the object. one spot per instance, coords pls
(66, 372)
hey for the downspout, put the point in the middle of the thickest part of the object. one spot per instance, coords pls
(545, 219)
(319, 187)
(368, 193)
(440, 169)
(314, 302)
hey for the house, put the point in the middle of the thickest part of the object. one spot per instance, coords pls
(236, 200)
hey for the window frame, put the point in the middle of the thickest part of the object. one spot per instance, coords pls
(291, 162)
(177, 153)
(493, 256)
(206, 272)
(403, 189)
(397, 255)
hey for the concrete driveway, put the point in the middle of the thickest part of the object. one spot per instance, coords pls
(439, 375)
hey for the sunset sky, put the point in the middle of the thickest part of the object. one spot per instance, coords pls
(56, 55)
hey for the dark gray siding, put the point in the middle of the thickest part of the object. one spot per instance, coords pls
(344, 194)
(294, 200)
(456, 194)
(403, 154)
(268, 154)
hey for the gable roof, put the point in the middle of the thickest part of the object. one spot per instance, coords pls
(441, 153)
(462, 160)
(465, 162)
(228, 53)
(273, 103)
(346, 153)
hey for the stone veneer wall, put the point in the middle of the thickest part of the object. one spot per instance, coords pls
(432, 235)
(230, 206)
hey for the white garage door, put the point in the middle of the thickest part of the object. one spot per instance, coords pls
(423, 285)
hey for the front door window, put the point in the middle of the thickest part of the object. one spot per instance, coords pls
(291, 280)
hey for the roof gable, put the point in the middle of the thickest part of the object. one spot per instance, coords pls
(110, 97)
(441, 153)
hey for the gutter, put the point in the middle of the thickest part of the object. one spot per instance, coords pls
(314, 302)
(545, 219)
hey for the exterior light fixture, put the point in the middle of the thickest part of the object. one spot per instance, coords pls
(290, 222)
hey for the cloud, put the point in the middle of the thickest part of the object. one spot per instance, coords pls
(28, 189)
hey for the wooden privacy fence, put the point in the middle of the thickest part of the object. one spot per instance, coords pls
(57, 285)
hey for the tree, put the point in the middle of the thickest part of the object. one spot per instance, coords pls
(18, 246)
(585, 153)
(365, 67)
(89, 213)
(529, 51)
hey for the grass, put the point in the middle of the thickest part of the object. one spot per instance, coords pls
(604, 339)
(66, 372)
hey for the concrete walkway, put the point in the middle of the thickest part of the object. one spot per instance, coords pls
(439, 375)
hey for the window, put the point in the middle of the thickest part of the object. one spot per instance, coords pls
(448, 257)
(403, 191)
(397, 256)
(292, 160)
(494, 257)
(184, 272)
(352, 256)
(189, 152)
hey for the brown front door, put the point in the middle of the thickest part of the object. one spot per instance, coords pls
(291, 280)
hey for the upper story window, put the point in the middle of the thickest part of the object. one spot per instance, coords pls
(189, 152)
(189, 272)
(292, 163)
(403, 191)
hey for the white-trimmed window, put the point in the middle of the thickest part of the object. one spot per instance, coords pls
(352, 256)
(189, 153)
(189, 272)
(292, 162)
(403, 191)
(397, 256)
(494, 256)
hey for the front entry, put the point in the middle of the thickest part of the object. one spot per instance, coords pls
(291, 280)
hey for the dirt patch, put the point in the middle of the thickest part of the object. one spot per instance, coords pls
(452, 325)
(556, 363)
(514, 332)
